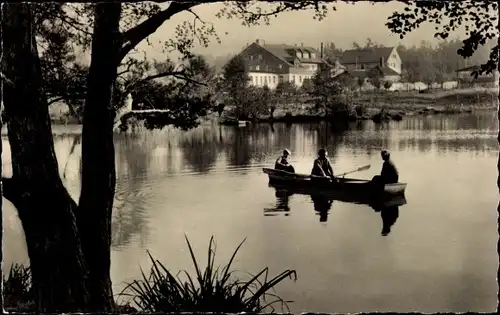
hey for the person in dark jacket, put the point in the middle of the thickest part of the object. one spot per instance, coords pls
(389, 173)
(322, 166)
(282, 163)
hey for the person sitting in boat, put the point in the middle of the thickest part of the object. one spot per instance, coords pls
(282, 163)
(322, 166)
(389, 173)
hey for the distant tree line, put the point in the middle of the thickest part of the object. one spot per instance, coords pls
(426, 62)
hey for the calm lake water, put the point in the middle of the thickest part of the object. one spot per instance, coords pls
(440, 255)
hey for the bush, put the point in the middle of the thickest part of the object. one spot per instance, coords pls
(213, 290)
(17, 289)
(360, 110)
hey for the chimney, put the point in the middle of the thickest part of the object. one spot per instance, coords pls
(382, 61)
(257, 41)
(321, 50)
(301, 44)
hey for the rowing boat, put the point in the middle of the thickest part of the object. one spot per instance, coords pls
(311, 184)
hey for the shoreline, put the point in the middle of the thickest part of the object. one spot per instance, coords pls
(379, 106)
(377, 114)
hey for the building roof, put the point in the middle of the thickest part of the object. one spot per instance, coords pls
(366, 55)
(388, 71)
(286, 53)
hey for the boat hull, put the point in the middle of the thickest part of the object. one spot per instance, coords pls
(311, 184)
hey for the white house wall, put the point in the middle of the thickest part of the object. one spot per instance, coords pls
(394, 61)
(260, 79)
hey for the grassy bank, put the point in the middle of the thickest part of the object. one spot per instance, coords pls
(453, 101)
(383, 106)
(395, 104)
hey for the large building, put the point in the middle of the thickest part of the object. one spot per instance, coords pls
(269, 64)
(387, 59)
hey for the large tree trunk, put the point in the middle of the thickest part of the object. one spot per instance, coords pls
(45, 208)
(98, 155)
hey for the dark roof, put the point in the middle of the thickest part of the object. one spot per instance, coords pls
(388, 71)
(286, 52)
(366, 55)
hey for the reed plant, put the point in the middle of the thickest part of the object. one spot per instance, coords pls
(213, 289)
(17, 289)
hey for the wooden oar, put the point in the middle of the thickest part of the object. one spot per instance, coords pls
(362, 168)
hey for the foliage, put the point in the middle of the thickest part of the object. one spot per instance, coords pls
(479, 19)
(214, 289)
(326, 89)
(375, 78)
(236, 79)
(360, 81)
(331, 51)
(307, 86)
(186, 100)
(17, 289)
(285, 88)
(387, 84)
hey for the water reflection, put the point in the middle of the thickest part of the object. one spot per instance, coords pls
(208, 181)
(389, 214)
(282, 203)
(322, 205)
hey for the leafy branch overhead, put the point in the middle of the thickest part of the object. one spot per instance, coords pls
(479, 18)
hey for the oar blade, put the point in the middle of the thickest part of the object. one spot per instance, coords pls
(364, 168)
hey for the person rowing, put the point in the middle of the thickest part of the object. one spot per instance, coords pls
(282, 163)
(322, 166)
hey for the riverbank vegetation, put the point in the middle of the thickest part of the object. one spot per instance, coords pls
(211, 288)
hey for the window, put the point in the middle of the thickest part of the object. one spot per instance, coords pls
(250, 57)
(300, 78)
(257, 67)
(260, 57)
(274, 80)
(265, 80)
(293, 78)
(280, 66)
(269, 79)
(260, 80)
(281, 78)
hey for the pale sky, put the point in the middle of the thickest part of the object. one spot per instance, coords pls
(351, 22)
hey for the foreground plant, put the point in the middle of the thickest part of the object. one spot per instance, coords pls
(214, 289)
(17, 289)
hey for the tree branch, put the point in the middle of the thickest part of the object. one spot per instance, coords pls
(176, 74)
(11, 190)
(57, 99)
(73, 23)
(135, 35)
